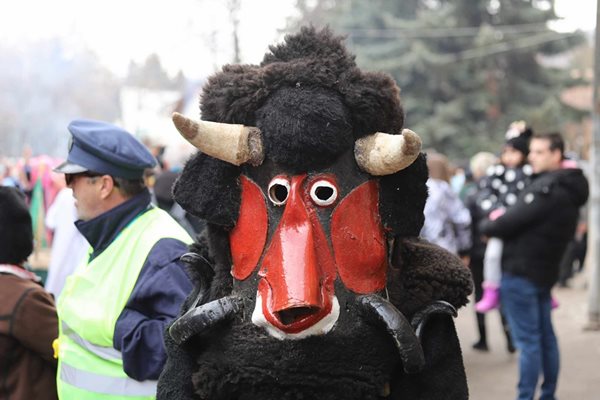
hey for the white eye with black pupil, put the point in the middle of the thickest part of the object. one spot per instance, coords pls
(323, 193)
(279, 190)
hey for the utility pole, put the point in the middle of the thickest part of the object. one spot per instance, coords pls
(594, 216)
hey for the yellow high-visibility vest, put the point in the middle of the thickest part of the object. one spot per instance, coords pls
(89, 367)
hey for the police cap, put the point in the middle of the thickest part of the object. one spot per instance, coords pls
(107, 149)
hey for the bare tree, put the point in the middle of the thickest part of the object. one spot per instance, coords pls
(233, 7)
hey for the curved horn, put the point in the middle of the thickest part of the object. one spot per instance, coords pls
(377, 309)
(201, 318)
(235, 144)
(384, 154)
(421, 318)
(205, 272)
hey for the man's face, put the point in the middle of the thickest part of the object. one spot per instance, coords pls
(86, 191)
(541, 157)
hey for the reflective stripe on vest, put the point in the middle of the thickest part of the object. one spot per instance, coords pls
(89, 306)
(105, 384)
(108, 353)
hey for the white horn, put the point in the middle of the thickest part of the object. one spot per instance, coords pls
(235, 144)
(384, 154)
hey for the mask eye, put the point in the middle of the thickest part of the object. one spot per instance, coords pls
(279, 190)
(323, 193)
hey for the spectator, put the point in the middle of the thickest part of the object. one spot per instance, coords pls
(28, 321)
(69, 247)
(447, 221)
(8, 174)
(576, 251)
(504, 183)
(114, 309)
(535, 231)
(474, 197)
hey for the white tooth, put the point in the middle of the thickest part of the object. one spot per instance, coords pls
(324, 325)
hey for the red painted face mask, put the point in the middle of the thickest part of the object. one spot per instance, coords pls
(304, 255)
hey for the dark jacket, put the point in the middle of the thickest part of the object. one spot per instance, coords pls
(28, 325)
(538, 227)
(498, 189)
(501, 186)
(473, 198)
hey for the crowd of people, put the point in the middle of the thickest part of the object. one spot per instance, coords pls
(114, 278)
(527, 229)
(515, 222)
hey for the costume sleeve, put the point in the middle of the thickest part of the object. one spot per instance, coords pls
(176, 378)
(35, 322)
(159, 292)
(530, 207)
(443, 377)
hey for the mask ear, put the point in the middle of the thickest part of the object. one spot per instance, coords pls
(209, 189)
(402, 198)
(374, 103)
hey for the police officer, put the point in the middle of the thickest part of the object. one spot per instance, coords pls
(115, 307)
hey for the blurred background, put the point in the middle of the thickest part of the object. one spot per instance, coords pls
(467, 68)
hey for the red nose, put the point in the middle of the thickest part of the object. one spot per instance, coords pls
(298, 268)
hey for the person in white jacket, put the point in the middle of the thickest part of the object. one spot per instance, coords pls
(69, 247)
(447, 220)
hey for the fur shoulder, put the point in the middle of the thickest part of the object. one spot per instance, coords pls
(424, 273)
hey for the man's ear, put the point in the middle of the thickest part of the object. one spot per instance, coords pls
(557, 156)
(107, 186)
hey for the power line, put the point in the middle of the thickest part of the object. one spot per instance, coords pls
(488, 50)
(503, 47)
(475, 27)
(420, 32)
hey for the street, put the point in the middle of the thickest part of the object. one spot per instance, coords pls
(493, 375)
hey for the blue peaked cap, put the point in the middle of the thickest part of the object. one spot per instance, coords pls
(107, 149)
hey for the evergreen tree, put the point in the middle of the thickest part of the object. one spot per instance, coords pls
(467, 68)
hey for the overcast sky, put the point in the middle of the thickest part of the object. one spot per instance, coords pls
(180, 31)
(194, 37)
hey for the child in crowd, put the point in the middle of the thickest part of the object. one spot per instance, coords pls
(499, 191)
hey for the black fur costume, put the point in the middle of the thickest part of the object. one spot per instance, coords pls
(311, 103)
